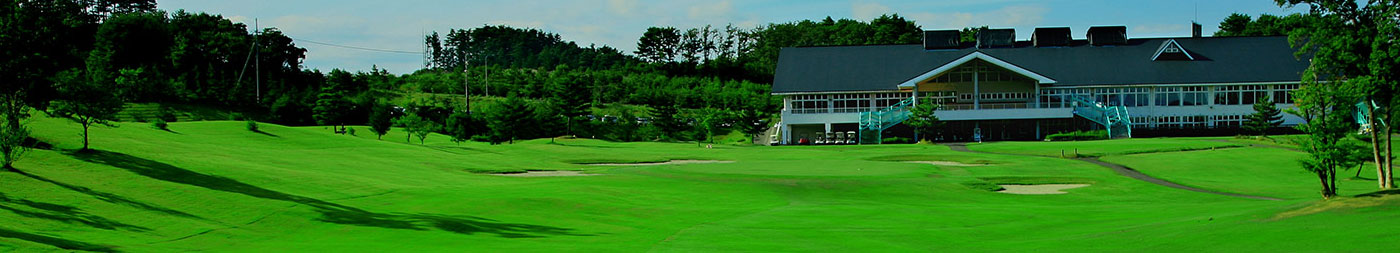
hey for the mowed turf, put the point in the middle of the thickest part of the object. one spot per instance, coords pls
(215, 186)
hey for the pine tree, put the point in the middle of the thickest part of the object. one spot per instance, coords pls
(1266, 115)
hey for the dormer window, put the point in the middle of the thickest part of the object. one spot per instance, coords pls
(1172, 51)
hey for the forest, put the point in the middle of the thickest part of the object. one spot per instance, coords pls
(681, 84)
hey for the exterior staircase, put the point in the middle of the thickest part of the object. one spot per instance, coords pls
(873, 124)
(1113, 118)
(1363, 116)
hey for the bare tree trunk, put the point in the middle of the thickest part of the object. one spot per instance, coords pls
(1376, 145)
(1389, 158)
(85, 135)
(1326, 190)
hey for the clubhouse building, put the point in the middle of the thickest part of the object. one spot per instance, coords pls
(998, 88)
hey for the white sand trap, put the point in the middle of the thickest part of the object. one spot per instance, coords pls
(661, 163)
(552, 173)
(1039, 189)
(946, 163)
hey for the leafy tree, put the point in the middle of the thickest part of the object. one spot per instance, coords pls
(139, 41)
(1327, 116)
(707, 122)
(331, 107)
(663, 116)
(1353, 44)
(751, 122)
(1266, 25)
(87, 102)
(381, 119)
(659, 44)
(566, 92)
(461, 126)
(12, 137)
(923, 120)
(1266, 115)
(38, 39)
(511, 121)
(416, 125)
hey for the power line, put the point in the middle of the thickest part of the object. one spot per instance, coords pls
(359, 48)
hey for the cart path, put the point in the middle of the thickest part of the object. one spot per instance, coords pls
(1122, 170)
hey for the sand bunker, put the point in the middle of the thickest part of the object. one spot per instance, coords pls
(551, 173)
(946, 163)
(661, 163)
(1039, 189)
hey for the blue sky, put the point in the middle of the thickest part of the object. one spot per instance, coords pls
(399, 25)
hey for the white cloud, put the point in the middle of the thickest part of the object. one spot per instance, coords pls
(1010, 16)
(622, 7)
(706, 9)
(868, 10)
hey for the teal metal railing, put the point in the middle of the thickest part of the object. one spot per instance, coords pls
(873, 124)
(1115, 119)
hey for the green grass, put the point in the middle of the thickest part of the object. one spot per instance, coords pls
(1254, 171)
(214, 186)
(1100, 148)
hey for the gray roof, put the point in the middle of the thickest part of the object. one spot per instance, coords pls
(884, 67)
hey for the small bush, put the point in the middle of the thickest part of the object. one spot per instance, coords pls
(350, 131)
(166, 114)
(896, 140)
(160, 124)
(1079, 136)
(252, 126)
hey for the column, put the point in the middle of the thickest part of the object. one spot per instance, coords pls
(976, 89)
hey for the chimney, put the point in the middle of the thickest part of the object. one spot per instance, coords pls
(1195, 29)
(1107, 35)
(989, 38)
(941, 39)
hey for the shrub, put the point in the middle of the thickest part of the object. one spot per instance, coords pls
(1079, 136)
(350, 131)
(159, 123)
(896, 140)
(252, 126)
(165, 114)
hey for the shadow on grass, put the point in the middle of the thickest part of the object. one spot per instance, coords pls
(62, 213)
(55, 241)
(331, 212)
(110, 198)
(1381, 193)
(265, 133)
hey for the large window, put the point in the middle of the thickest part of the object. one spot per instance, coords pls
(1239, 94)
(808, 104)
(985, 72)
(883, 100)
(1282, 93)
(847, 103)
(1168, 96)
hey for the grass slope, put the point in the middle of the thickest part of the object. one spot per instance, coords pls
(215, 186)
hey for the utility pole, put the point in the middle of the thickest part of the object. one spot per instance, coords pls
(488, 75)
(466, 85)
(257, 63)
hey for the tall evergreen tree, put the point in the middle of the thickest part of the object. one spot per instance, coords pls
(1266, 115)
